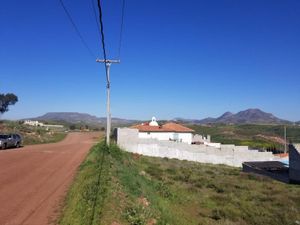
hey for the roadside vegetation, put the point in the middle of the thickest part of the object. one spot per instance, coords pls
(264, 137)
(32, 135)
(113, 187)
(7, 100)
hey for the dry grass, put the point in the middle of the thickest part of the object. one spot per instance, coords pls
(143, 190)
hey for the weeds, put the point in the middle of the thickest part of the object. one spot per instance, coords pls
(177, 193)
(137, 215)
(164, 190)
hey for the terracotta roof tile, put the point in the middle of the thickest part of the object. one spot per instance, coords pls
(168, 127)
(147, 128)
(177, 127)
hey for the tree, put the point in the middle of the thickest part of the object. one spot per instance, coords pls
(72, 127)
(7, 100)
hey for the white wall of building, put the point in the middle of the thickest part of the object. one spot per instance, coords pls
(211, 144)
(186, 137)
(166, 136)
(39, 124)
(33, 123)
(231, 155)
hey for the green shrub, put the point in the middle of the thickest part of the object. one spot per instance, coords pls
(137, 215)
(155, 171)
(164, 190)
(218, 214)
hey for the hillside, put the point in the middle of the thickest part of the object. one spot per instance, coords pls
(249, 116)
(263, 137)
(115, 187)
(80, 118)
(69, 117)
(32, 135)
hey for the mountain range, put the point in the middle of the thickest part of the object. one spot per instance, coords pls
(84, 118)
(249, 116)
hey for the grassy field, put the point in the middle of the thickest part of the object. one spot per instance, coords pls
(255, 136)
(32, 135)
(114, 187)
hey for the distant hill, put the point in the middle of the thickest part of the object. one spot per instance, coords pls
(249, 116)
(179, 119)
(226, 116)
(84, 118)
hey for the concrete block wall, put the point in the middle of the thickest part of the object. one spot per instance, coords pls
(230, 155)
(277, 176)
(294, 163)
(241, 148)
(201, 138)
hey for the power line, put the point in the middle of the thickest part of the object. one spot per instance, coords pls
(121, 30)
(107, 64)
(103, 41)
(76, 29)
(96, 19)
(102, 28)
(107, 68)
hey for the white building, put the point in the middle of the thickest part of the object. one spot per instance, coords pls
(33, 123)
(166, 132)
(39, 124)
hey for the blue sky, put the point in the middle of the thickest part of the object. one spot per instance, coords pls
(188, 59)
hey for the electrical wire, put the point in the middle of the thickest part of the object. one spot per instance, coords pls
(95, 15)
(121, 30)
(103, 42)
(76, 29)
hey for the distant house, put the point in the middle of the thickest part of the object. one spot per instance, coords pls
(36, 123)
(166, 132)
(33, 123)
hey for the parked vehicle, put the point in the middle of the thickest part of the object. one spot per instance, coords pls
(3, 140)
(10, 141)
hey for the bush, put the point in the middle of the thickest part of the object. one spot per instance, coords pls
(155, 171)
(218, 214)
(164, 190)
(137, 215)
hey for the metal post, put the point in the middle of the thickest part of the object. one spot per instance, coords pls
(108, 114)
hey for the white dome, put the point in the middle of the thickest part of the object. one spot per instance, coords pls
(153, 122)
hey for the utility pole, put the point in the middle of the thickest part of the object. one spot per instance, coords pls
(108, 63)
(285, 145)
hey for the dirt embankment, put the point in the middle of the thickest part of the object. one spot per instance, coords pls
(272, 138)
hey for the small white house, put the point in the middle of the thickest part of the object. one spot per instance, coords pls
(36, 123)
(33, 123)
(166, 132)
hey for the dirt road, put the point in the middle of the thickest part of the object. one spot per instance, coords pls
(34, 179)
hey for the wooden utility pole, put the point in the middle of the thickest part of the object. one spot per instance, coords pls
(108, 63)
